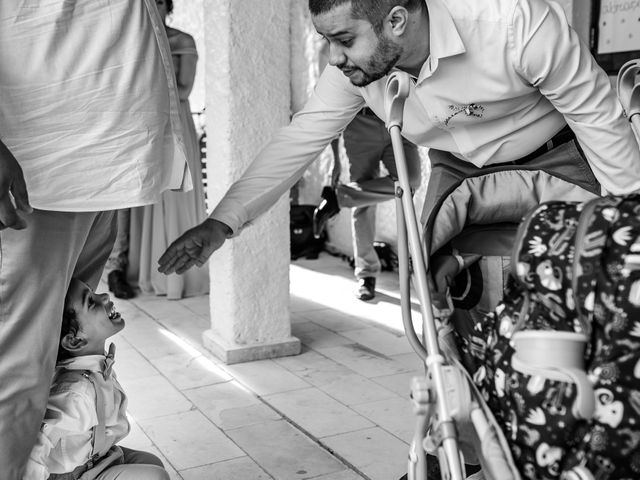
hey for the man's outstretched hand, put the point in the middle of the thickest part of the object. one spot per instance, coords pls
(12, 189)
(193, 247)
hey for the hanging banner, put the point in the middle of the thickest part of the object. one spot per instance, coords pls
(619, 26)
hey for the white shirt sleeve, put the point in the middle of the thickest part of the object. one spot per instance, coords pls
(36, 468)
(282, 162)
(549, 55)
(68, 413)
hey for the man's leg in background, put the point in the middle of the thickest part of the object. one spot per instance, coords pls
(413, 160)
(367, 263)
(97, 248)
(365, 139)
(115, 270)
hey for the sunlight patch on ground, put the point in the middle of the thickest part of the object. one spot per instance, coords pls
(335, 291)
(198, 357)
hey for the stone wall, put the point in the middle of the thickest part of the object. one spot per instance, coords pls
(248, 99)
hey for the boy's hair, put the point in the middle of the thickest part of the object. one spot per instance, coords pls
(69, 325)
(169, 4)
(374, 11)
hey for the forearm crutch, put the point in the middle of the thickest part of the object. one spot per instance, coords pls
(628, 86)
(433, 393)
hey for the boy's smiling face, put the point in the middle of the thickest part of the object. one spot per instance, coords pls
(97, 319)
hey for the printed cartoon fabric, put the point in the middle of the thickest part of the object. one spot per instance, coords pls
(607, 288)
(576, 269)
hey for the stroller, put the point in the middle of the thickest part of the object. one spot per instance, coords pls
(571, 407)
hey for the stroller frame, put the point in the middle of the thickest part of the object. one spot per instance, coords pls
(444, 387)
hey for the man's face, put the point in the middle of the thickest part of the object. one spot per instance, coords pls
(354, 46)
(97, 318)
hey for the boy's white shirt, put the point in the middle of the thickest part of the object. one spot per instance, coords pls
(64, 440)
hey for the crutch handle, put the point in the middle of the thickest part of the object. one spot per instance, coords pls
(633, 107)
(396, 92)
(626, 84)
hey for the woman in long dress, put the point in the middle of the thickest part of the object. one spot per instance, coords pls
(153, 227)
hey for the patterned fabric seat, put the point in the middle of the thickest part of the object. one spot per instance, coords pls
(558, 361)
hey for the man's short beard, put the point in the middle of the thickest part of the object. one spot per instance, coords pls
(381, 62)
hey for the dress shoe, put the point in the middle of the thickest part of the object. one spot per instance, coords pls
(118, 285)
(366, 288)
(328, 208)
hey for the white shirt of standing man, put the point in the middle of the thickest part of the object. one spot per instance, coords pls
(122, 135)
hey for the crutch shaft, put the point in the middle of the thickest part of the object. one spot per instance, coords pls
(411, 223)
(397, 92)
(434, 360)
(405, 274)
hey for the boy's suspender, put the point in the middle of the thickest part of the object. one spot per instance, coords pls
(100, 445)
(101, 449)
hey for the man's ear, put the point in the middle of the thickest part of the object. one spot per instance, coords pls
(71, 343)
(397, 20)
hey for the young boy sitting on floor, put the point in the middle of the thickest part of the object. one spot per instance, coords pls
(86, 411)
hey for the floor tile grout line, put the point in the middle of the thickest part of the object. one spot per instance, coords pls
(222, 461)
(246, 454)
(261, 396)
(318, 441)
(263, 401)
(284, 417)
(319, 387)
(157, 447)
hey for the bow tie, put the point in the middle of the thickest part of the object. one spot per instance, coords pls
(109, 360)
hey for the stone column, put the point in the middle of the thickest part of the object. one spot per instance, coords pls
(248, 99)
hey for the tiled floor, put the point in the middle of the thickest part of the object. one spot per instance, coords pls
(338, 411)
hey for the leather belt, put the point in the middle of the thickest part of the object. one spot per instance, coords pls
(367, 111)
(563, 136)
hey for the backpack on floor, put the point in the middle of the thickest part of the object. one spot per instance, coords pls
(386, 255)
(303, 243)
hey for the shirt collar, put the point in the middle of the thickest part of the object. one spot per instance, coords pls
(444, 40)
(93, 363)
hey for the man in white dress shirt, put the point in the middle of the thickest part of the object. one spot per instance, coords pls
(494, 82)
(88, 124)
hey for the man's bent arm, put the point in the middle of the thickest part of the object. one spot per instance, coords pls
(282, 162)
(550, 56)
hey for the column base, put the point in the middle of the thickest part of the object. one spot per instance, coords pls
(235, 353)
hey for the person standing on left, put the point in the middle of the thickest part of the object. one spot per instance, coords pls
(153, 226)
(88, 124)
